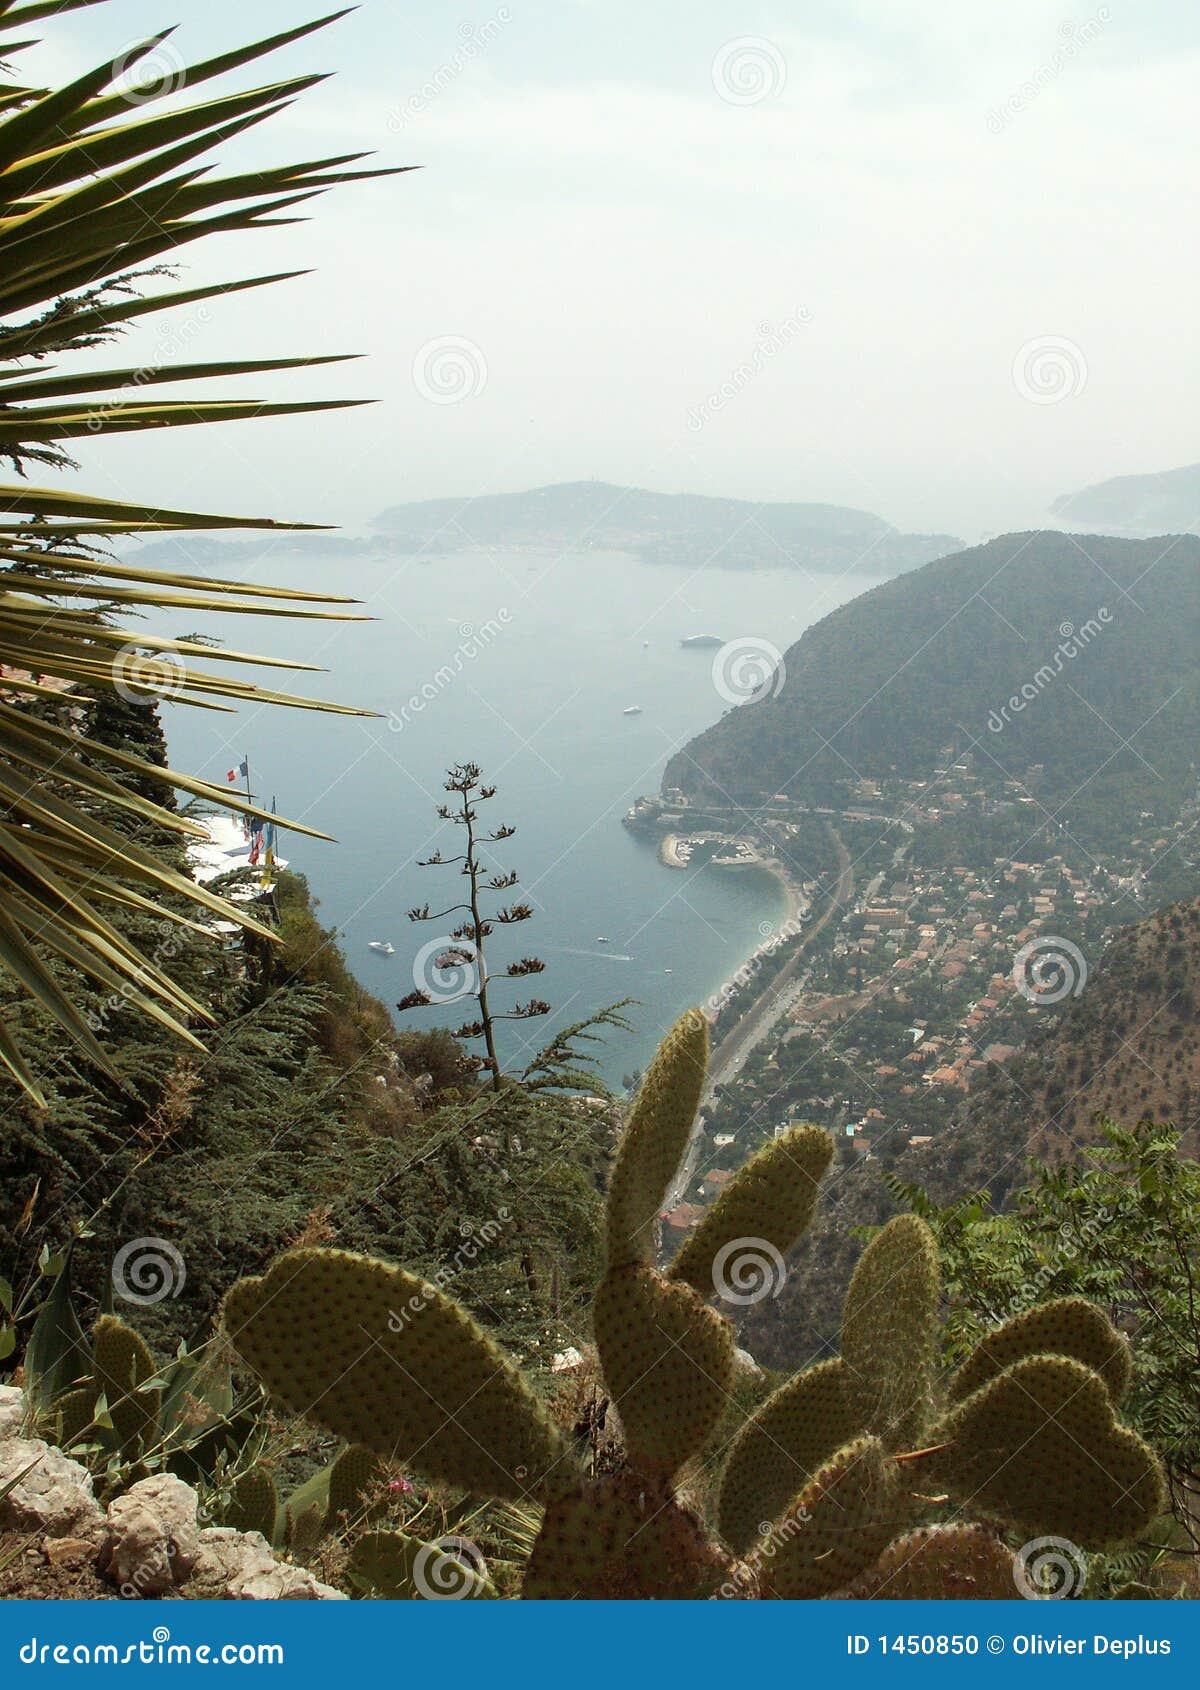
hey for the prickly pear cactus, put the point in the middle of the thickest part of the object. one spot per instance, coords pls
(1067, 1327)
(122, 1365)
(668, 1360)
(771, 1203)
(330, 1334)
(655, 1140)
(1039, 1447)
(832, 1487)
(780, 1448)
(254, 1505)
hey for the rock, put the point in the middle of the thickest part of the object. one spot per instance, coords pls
(746, 1370)
(55, 1496)
(153, 1536)
(68, 1551)
(286, 1584)
(12, 1411)
(239, 1567)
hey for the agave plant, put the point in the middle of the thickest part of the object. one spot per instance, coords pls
(102, 185)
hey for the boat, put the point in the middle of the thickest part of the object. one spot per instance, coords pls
(700, 642)
(632, 710)
(602, 938)
(382, 946)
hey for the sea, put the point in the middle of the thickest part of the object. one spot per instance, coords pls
(524, 663)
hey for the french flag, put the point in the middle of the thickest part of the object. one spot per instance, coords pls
(242, 769)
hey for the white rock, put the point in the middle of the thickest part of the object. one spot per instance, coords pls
(285, 1584)
(55, 1496)
(12, 1411)
(239, 1566)
(745, 1368)
(153, 1536)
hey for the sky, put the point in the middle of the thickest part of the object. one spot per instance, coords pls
(934, 261)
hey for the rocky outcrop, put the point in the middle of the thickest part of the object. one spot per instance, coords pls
(153, 1537)
(12, 1411)
(49, 1492)
(150, 1542)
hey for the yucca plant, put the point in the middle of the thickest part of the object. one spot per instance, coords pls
(101, 187)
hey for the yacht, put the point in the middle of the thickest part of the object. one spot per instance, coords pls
(632, 710)
(383, 947)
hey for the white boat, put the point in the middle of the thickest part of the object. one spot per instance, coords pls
(602, 938)
(632, 710)
(382, 946)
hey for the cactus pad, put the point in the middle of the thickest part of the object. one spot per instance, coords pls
(613, 1539)
(941, 1563)
(838, 1525)
(888, 1330)
(1067, 1327)
(253, 1505)
(74, 1412)
(350, 1478)
(655, 1139)
(780, 1448)
(770, 1202)
(1039, 1447)
(122, 1365)
(668, 1361)
(383, 1359)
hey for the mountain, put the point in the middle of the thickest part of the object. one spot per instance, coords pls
(1166, 503)
(1065, 663)
(682, 528)
(1128, 1047)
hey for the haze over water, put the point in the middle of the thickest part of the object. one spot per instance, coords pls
(523, 664)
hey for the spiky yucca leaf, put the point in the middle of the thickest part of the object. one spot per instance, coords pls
(100, 183)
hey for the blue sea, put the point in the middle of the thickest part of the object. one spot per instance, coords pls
(523, 663)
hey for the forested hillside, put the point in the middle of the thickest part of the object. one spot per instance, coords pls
(1069, 656)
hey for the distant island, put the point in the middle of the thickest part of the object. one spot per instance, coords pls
(1137, 505)
(688, 529)
(681, 528)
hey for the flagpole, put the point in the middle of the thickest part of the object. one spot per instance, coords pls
(247, 821)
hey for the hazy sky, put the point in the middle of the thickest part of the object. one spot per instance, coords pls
(964, 231)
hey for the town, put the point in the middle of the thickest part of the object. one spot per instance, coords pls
(933, 921)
